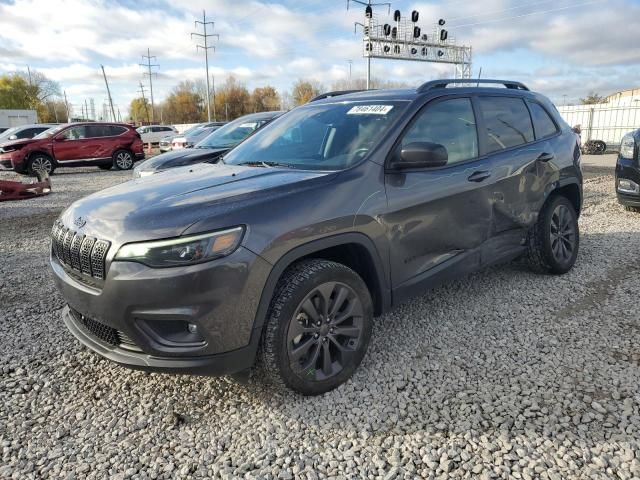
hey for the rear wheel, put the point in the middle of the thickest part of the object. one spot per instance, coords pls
(317, 329)
(123, 160)
(40, 162)
(555, 238)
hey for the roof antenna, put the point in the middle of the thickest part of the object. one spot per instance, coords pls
(479, 76)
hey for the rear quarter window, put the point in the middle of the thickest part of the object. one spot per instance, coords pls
(507, 122)
(543, 124)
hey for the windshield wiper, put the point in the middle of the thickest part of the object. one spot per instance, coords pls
(265, 164)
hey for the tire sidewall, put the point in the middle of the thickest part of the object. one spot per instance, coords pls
(556, 266)
(338, 273)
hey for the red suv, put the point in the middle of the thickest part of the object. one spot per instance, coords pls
(104, 145)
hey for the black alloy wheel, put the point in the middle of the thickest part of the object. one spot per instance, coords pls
(562, 234)
(325, 332)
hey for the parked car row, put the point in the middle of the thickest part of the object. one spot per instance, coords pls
(210, 148)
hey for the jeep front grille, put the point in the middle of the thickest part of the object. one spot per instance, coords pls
(78, 252)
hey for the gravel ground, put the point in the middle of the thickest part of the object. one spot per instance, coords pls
(504, 374)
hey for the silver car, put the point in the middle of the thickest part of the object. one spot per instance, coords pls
(25, 131)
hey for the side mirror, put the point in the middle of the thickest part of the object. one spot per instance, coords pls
(12, 137)
(59, 138)
(421, 155)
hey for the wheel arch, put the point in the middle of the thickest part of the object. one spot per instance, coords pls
(572, 191)
(355, 250)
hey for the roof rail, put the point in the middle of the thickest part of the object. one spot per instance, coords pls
(447, 81)
(337, 93)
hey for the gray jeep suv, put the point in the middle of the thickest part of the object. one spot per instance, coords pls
(280, 255)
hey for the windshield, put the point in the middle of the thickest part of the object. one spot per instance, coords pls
(232, 133)
(319, 137)
(51, 132)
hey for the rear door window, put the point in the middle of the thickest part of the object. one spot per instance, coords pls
(115, 130)
(507, 121)
(542, 123)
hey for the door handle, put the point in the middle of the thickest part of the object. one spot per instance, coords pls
(545, 157)
(479, 176)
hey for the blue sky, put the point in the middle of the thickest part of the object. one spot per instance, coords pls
(558, 47)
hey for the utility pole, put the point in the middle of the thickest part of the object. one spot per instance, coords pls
(113, 112)
(144, 100)
(86, 110)
(66, 105)
(149, 65)
(350, 64)
(213, 88)
(206, 48)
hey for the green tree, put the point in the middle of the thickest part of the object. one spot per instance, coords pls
(29, 92)
(265, 99)
(592, 99)
(232, 100)
(140, 110)
(304, 90)
(184, 104)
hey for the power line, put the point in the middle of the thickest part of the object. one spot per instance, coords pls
(517, 7)
(149, 65)
(527, 14)
(206, 48)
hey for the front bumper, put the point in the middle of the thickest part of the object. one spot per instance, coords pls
(627, 170)
(214, 365)
(220, 297)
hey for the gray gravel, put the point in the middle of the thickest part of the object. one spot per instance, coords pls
(504, 374)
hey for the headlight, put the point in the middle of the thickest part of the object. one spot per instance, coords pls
(182, 250)
(627, 147)
(9, 149)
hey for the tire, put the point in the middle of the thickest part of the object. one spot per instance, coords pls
(600, 147)
(298, 338)
(40, 161)
(105, 167)
(123, 160)
(548, 251)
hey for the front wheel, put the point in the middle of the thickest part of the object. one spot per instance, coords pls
(123, 160)
(39, 162)
(317, 329)
(555, 238)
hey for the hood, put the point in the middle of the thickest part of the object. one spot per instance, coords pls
(180, 158)
(163, 206)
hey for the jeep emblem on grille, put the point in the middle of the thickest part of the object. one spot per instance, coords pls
(79, 222)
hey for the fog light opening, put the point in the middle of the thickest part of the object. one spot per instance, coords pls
(192, 327)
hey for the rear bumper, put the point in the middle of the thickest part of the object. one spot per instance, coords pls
(211, 365)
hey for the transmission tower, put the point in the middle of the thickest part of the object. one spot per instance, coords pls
(150, 74)
(205, 36)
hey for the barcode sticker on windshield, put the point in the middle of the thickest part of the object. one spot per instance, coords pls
(370, 110)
